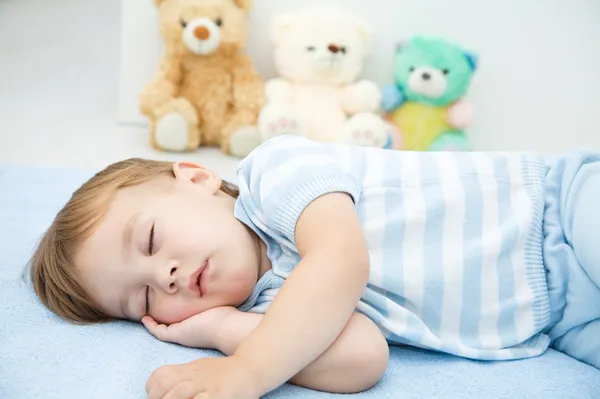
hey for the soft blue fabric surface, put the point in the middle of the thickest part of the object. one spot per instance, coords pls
(44, 357)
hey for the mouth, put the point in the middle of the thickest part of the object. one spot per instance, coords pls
(197, 283)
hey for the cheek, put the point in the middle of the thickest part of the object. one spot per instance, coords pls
(169, 310)
(235, 28)
(352, 66)
(240, 285)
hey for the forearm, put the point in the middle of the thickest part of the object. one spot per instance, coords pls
(281, 345)
(354, 362)
(234, 330)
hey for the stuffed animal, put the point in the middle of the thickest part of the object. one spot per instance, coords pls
(319, 55)
(426, 101)
(206, 91)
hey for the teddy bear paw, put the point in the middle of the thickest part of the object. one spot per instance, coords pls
(277, 120)
(451, 141)
(244, 141)
(366, 130)
(461, 115)
(282, 125)
(171, 132)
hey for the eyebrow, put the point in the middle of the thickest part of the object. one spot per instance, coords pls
(128, 232)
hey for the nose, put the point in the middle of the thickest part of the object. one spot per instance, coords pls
(202, 32)
(166, 277)
(333, 48)
(426, 76)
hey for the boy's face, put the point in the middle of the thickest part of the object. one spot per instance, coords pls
(175, 242)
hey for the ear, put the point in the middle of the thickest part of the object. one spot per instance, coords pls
(400, 44)
(364, 31)
(158, 2)
(281, 23)
(197, 174)
(472, 59)
(245, 5)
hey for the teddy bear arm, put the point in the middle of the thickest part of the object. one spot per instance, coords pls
(363, 96)
(162, 88)
(391, 98)
(248, 85)
(278, 90)
(461, 114)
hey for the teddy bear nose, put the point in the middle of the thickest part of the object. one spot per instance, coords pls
(333, 48)
(426, 76)
(202, 32)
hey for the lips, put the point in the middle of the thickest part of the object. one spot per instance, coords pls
(195, 283)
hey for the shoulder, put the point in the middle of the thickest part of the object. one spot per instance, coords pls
(282, 176)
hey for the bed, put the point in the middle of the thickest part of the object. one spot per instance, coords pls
(42, 356)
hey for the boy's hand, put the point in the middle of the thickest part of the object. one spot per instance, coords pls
(214, 378)
(197, 331)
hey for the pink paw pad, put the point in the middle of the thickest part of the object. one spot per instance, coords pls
(283, 125)
(363, 134)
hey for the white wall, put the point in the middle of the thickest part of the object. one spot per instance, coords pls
(538, 82)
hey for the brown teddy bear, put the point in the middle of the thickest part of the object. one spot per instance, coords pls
(206, 91)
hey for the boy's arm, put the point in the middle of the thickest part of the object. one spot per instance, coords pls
(354, 362)
(321, 294)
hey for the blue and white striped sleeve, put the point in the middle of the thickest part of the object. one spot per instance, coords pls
(279, 179)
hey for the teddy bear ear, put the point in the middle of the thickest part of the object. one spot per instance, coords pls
(245, 5)
(400, 44)
(472, 59)
(364, 31)
(281, 23)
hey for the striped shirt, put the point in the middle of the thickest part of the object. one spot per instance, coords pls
(454, 239)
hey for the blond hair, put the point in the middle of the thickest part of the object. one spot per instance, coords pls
(52, 266)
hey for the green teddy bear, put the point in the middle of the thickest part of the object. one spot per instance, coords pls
(425, 104)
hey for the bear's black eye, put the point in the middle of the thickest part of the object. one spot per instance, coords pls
(311, 48)
(343, 49)
(183, 23)
(411, 69)
(445, 71)
(219, 22)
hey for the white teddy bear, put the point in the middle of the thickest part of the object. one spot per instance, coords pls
(319, 56)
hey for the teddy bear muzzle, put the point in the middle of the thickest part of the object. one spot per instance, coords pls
(427, 81)
(202, 36)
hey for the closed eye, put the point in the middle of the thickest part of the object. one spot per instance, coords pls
(147, 300)
(151, 241)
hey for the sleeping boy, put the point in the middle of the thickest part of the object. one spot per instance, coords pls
(325, 254)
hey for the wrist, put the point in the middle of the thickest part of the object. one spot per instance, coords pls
(221, 329)
(253, 376)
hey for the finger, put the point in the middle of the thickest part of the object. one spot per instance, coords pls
(149, 323)
(202, 395)
(160, 331)
(161, 381)
(183, 390)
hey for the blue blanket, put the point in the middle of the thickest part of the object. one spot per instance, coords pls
(43, 357)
